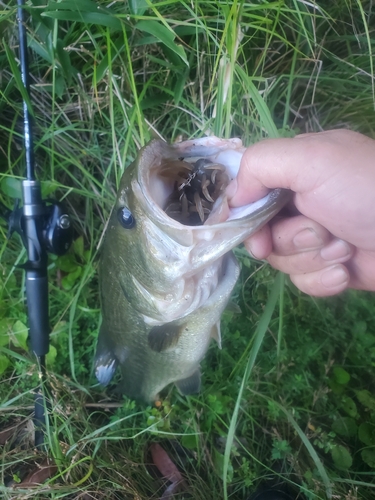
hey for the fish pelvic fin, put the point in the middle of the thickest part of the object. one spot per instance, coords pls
(233, 308)
(216, 333)
(161, 338)
(190, 385)
(105, 362)
(105, 369)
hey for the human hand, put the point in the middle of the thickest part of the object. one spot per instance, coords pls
(330, 245)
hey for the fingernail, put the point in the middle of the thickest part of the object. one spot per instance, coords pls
(231, 189)
(334, 277)
(249, 249)
(306, 239)
(336, 249)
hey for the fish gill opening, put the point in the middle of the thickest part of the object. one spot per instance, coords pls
(196, 187)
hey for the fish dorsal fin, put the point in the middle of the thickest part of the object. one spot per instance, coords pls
(164, 337)
(190, 385)
(216, 333)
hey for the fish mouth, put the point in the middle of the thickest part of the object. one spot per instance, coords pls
(185, 184)
(194, 189)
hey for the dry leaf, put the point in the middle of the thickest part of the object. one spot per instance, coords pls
(7, 433)
(42, 472)
(168, 470)
(165, 465)
(18, 431)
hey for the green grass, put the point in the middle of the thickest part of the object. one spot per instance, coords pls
(291, 392)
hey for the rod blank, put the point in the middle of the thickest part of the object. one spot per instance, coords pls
(27, 118)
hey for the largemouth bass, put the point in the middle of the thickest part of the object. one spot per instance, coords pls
(166, 271)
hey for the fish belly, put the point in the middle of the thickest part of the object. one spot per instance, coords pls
(150, 358)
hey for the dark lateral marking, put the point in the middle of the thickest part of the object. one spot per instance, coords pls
(164, 337)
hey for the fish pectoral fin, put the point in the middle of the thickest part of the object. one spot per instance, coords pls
(164, 337)
(216, 333)
(190, 385)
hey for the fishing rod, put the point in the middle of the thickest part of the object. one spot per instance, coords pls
(44, 226)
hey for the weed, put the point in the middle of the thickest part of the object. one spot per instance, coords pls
(293, 384)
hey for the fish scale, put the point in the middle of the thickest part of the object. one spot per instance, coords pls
(164, 285)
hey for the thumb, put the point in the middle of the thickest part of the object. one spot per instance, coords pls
(269, 164)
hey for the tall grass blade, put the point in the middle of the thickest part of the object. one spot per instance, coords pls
(259, 334)
(17, 76)
(259, 103)
(163, 35)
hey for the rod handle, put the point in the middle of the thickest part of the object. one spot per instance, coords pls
(37, 305)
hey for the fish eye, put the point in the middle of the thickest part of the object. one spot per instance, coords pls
(125, 218)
